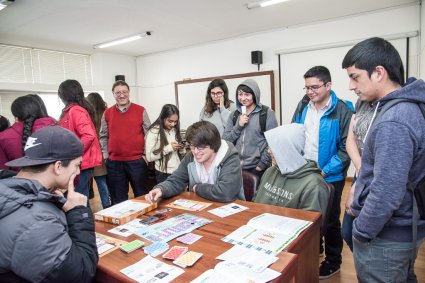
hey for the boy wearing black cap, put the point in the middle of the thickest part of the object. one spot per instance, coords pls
(45, 236)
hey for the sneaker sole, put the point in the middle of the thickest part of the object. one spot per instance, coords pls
(330, 275)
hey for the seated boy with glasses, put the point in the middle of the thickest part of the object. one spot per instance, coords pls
(212, 168)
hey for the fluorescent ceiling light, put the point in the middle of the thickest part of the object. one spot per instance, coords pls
(122, 40)
(264, 3)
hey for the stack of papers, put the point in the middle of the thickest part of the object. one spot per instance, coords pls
(267, 232)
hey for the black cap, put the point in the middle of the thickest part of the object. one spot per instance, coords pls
(48, 145)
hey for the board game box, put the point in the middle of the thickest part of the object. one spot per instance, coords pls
(125, 211)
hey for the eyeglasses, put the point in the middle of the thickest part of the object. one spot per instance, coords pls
(218, 93)
(121, 92)
(199, 148)
(313, 88)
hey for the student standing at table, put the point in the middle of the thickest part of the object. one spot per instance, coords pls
(326, 119)
(122, 138)
(99, 172)
(393, 159)
(217, 106)
(78, 117)
(246, 126)
(360, 122)
(212, 168)
(164, 143)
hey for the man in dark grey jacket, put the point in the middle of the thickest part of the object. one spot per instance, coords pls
(212, 168)
(46, 237)
(393, 159)
(247, 132)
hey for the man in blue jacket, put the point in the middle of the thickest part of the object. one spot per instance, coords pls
(326, 119)
(393, 160)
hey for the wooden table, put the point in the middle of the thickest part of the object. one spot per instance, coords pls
(297, 263)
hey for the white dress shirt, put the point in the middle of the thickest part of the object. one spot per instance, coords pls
(312, 126)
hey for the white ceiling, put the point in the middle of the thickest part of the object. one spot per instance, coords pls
(77, 25)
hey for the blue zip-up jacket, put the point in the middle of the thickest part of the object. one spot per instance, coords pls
(333, 158)
(393, 158)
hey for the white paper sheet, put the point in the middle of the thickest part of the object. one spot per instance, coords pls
(227, 209)
(150, 269)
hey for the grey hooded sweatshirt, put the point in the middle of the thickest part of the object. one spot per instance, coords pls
(249, 140)
(295, 182)
(393, 158)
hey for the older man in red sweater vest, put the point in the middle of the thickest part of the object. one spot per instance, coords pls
(122, 138)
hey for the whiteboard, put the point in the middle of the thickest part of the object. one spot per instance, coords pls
(190, 94)
(295, 65)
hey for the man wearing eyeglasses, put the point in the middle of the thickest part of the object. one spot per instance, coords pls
(326, 119)
(122, 138)
(212, 168)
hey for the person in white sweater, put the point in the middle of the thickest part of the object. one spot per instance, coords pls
(164, 143)
(217, 106)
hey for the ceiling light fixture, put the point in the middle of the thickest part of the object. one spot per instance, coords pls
(5, 3)
(263, 3)
(122, 40)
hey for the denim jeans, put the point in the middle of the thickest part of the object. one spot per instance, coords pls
(103, 190)
(347, 225)
(83, 185)
(384, 261)
(120, 173)
(347, 230)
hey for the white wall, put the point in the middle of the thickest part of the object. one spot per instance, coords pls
(156, 73)
(106, 66)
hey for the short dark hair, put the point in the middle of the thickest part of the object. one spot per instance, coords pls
(119, 82)
(246, 89)
(373, 52)
(320, 72)
(204, 133)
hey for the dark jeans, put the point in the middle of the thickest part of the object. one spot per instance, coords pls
(160, 176)
(333, 238)
(83, 185)
(347, 225)
(347, 230)
(103, 190)
(120, 173)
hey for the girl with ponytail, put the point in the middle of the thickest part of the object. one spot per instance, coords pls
(30, 117)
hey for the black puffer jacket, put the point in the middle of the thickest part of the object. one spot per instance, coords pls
(41, 243)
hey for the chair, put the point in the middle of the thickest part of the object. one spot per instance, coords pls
(250, 184)
(325, 216)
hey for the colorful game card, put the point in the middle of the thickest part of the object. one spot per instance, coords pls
(188, 259)
(156, 249)
(175, 252)
(189, 238)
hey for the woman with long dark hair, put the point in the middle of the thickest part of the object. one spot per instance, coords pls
(99, 172)
(78, 116)
(30, 117)
(164, 143)
(217, 106)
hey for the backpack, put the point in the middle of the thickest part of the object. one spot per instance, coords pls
(263, 117)
(419, 190)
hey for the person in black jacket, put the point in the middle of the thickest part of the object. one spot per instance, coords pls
(46, 237)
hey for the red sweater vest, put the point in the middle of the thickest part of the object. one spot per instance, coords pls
(125, 129)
